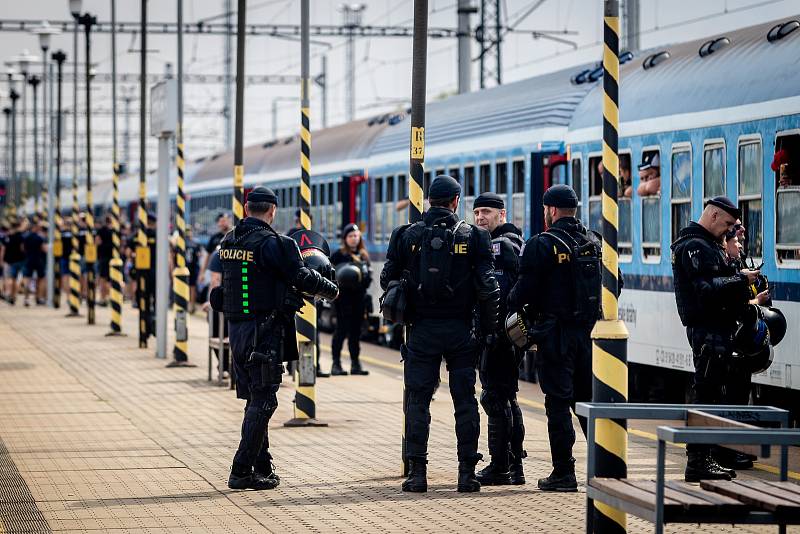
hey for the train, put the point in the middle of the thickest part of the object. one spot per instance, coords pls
(708, 115)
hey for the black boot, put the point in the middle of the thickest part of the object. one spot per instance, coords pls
(417, 481)
(241, 479)
(516, 472)
(356, 369)
(494, 474)
(467, 481)
(700, 466)
(561, 479)
(321, 373)
(732, 459)
(336, 368)
(266, 470)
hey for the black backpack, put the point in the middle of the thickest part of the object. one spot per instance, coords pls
(435, 250)
(587, 273)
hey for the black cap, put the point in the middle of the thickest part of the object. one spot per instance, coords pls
(489, 200)
(725, 204)
(650, 160)
(444, 186)
(151, 216)
(349, 227)
(262, 194)
(560, 196)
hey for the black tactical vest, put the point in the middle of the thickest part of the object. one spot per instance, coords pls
(249, 289)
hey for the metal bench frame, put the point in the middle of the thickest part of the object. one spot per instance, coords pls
(218, 341)
(687, 435)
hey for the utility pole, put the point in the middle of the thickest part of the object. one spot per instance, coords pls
(59, 57)
(351, 19)
(34, 82)
(143, 260)
(74, 257)
(126, 135)
(631, 16)
(322, 82)
(115, 265)
(465, 9)
(227, 91)
(489, 35)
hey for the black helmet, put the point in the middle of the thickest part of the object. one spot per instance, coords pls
(348, 276)
(757, 363)
(752, 334)
(776, 322)
(316, 260)
(522, 332)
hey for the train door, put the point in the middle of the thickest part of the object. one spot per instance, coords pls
(353, 194)
(546, 169)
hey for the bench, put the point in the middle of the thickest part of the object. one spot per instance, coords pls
(663, 501)
(219, 342)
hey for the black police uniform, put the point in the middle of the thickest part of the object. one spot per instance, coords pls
(350, 308)
(261, 274)
(564, 355)
(499, 364)
(443, 329)
(710, 293)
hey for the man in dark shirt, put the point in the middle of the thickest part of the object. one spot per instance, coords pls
(105, 251)
(193, 264)
(34, 246)
(14, 258)
(223, 226)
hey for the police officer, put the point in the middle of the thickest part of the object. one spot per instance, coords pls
(262, 273)
(448, 264)
(499, 363)
(710, 294)
(567, 306)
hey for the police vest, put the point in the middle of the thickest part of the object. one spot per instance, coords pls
(249, 289)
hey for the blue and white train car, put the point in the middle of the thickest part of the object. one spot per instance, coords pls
(715, 112)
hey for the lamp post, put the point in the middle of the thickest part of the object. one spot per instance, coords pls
(58, 250)
(34, 82)
(23, 62)
(90, 251)
(45, 33)
(74, 257)
(7, 157)
(14, 97)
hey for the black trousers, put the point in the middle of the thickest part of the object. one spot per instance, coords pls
(711, 351)
(349, 317)
(428, 342)
(262, 400)
(564, 365)
(499, 374)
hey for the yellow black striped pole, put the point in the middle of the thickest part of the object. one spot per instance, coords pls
(305, 398)
(58, 253)
(238, 148)
(180, 276)
(89, 248)
(74, 257)
(142, 263)
(417, 154)
(115, 265)
(610, 337)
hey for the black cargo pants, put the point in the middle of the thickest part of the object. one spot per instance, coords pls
(428, 342)
(499, 374)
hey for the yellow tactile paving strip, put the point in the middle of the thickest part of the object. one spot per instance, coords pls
(107, 439)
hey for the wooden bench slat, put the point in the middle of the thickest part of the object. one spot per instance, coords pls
(791, 487)
(700, 418)
(687, 501)
(775, 491)
(623, 490)
(712, 498)
(755, 497)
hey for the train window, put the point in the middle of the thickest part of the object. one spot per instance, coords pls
(577, 183)
(426, 183)
(485, 181)
(402, 185)
(469, 181)
(651, 227)
(501, 178)
(750, 202)
(681, 189)
(649, 174)
(787, 224)
(438, 172)
(558, 174)
(595, 193)
(390, 211)
(518, 193)
(624, 190)
(377, 210)
(713, 170)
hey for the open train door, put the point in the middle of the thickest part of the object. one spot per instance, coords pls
(353, 194)
(546, 169)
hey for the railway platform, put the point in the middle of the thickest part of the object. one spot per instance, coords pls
(97, 435)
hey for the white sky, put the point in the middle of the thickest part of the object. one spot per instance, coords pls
(383, 65)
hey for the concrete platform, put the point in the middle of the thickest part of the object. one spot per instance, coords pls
(96, 435)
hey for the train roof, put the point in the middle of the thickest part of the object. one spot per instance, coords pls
(745, 70)
(540, 107)
(344, 146)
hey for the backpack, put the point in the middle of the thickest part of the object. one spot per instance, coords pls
(435, 250)
(587, 274)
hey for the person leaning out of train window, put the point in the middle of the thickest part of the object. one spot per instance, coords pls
(782, 165)
(354, 276)
(649, 175)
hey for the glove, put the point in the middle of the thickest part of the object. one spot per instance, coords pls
(313, 283)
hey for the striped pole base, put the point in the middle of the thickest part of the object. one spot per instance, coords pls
(74, 284)
(115, 271)
(180, 283)
(305, 401)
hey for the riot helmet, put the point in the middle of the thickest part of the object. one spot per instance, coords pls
(752, 334)
(348, 276)
(776, 322)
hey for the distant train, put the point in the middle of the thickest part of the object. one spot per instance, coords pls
(713, 112)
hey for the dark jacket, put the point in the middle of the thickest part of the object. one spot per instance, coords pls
(507, 243)
(709, 291)
(545, 281)
(337, 258)
(472, 271)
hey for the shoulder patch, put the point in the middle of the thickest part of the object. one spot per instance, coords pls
(496, 249)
